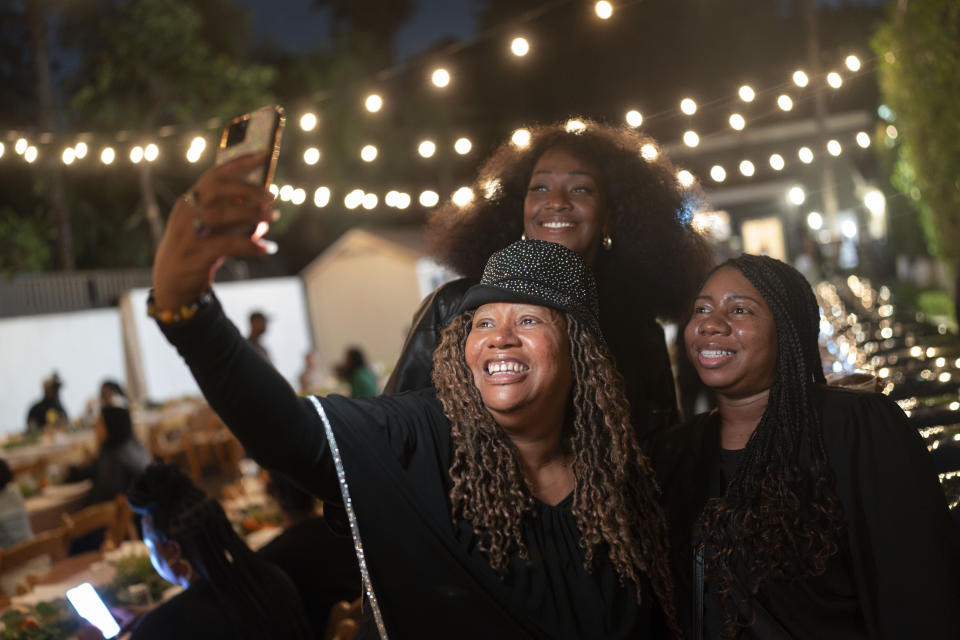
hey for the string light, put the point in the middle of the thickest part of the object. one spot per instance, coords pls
(805, 155)
(520, 47)
(299, 196)
(462, 146)
(852, 62)
(136, 154)
(429, 198)
(520, 138)
(20, 146)
(274, 190)
(691, 139)
(892, 132)
(151, 152)
(308, 121)
(440, 78)
(311, 156)
(875, 201)
(649, 152)
(30, 155)
(321, 197)
(746, 93)
(462, 196)
(634, 118)
(800, 78)
(796, 195)
(815, 220)
(426, 149)
(2, 149)
(79, 150)
(785, 102)
(373, 103)
(747, 168)
(718, 173)
(368, 153)
(603, 9)
(353, 199)
(834, 148)
(286, 192)
(68, 155)
(402, 201)
(849, 229)
(834, 80)
(108, 155)
(863, 139)
(685, 178)
(776, 162)
(575, 126)
(369, 201)
(737, 121)
(688, 106)
(197, 147)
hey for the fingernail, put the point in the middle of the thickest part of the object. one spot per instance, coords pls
(269, 246)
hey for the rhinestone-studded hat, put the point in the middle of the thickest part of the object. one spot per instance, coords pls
(543, 273)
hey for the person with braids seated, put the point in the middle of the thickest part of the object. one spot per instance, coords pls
(798, 510)
(513, 501)
(229, 592)
(597, 191)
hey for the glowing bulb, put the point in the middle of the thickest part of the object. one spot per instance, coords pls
(136, 154)
(718, 173)
(68, 155)
(805, 155)
(373, 103)
(462, 146)
(440, 78)
(634, 118)
(852, 62)
(391, 198)
(685, 178)
(776, 162)
(849, 229)
(197, 147)
(462, 196)
(575, 126)
(691, 139)
(193, 155)
(747, 93)
(834, 80)
(429, 198)
(20, 146)
(520, 47)
(308, 121)
(151, 152)
(311, 155)
(274, 189)
(649, 152)
(520, 138)
(737, 121)
(800, 78)
(603, 9)
(2, 149)
(368, 153)
(299, 196)
(815, 220)
(353, 199)
(892, 132)
(796, 195)
(79, 150)
(286, 192)
(108, 155)
(402, 200)
(426, 149)
(321, 197)
(863, 139)
(30, 154)
(785, 102)
(688, 106)
(369, 201)
(834, 148)
(874, 201)
(747, 168)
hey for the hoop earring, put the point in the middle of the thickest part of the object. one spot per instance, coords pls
(606, 242)
(186, 575)
(523, 236)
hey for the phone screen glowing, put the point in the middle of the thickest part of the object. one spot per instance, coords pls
(88, 604)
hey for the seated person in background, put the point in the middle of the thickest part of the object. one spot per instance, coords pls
(120, 459)
(49, 410)
(354, 370)
(322, 564)
(14, 523)
(112, 395)
(229, 592)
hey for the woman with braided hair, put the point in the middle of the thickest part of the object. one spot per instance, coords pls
(797, 510)
(512, 501)
(599, 191)
(228, 591)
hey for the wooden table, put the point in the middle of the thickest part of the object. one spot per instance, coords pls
(45, 508)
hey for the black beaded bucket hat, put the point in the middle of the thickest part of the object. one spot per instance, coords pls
(542, 273)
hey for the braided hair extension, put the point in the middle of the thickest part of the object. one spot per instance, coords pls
(778, 520)
(615, 500)
(182, 513)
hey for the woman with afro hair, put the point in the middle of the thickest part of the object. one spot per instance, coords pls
(798, 510)
(596, 192)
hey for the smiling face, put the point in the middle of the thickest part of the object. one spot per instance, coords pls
(732, 336)
(519, 355)
(564, 203)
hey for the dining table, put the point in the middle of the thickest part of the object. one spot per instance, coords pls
(46, 508)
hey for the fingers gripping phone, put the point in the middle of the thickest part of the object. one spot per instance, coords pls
(90, 606)
(255, 132)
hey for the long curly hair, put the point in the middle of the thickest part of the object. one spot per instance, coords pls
(615, 500)
(656, 256)
(779, 519)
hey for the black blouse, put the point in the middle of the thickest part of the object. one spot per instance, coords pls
(429, 580)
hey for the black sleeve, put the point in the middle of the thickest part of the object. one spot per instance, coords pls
(906, 549)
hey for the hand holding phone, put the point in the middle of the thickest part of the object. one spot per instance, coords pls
(90, 606)
(259, 131)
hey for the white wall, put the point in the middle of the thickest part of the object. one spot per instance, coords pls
(84, 347)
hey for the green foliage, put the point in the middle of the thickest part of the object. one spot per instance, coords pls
(919, 52)
(45, 621)
(25, 243)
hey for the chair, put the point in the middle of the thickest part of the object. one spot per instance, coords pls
(91, 519)
(15, 562)
(206, 439)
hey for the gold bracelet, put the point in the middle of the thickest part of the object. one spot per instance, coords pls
(185, 312)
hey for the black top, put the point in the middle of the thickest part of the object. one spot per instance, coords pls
(897, 574)
(321, 564)
(634, 338)
(198, 614)
(429, 580)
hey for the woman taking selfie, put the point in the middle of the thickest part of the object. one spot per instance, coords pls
(798, 510)
(594, 192)
(512, 502)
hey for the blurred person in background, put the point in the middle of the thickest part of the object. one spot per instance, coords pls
(14, 521)
(229, 592)
(120, 456)
(320, 563)
(49, 410)
(355, 372)
(258, 327)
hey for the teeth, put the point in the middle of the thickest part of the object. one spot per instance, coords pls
(557, 225)
(715, 353)
(505, 366)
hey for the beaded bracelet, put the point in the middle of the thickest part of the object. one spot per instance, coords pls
(185, 312)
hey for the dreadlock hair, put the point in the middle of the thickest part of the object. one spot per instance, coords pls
(779, 520)
(615, 500)
(655, 254)
(182, 513)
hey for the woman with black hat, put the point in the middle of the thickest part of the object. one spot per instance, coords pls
(512, 502)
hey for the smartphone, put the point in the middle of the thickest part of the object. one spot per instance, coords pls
(255, 132)
(90, 606)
